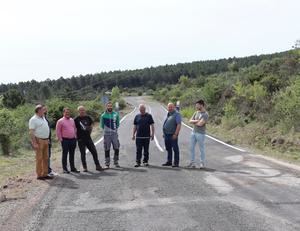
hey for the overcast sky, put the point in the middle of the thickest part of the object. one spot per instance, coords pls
(49, 39)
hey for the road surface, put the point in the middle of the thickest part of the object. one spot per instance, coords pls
(238, 190)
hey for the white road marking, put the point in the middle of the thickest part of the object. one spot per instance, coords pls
(220, 185)
(288, 165)
(101, 139)
(235, 158)
(157, 144)
(212, 138)
(264, 170)
(155, 138)
(272, 175)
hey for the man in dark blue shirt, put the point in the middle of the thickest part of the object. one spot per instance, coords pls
(143, 131)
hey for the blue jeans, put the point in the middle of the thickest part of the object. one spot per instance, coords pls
(172, 145)
(197, 137)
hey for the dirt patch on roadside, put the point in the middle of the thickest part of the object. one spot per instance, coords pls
(18, 197)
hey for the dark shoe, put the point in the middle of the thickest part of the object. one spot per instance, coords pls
(146, 164)
(48, 178)
(117, 165)
(137, 165)
(75, 170)
(99, 168)
(40, 178)
(85, 170)
(66, 171)
(175, 166)
(167, 164)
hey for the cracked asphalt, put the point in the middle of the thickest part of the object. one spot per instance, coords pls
(237, 190)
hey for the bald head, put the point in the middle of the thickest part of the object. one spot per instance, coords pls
(171, 107)
(81, 111)
(142, 109)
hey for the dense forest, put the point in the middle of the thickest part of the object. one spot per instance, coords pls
(89, 86)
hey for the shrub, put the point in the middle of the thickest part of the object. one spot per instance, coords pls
(13, 98)
(287, 107)
(187, 112)
(55, 109)
(8, 128)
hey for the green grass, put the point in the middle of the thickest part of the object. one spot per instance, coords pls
(257, 138)
(12, 166)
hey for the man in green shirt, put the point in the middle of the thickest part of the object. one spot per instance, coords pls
(110, 122)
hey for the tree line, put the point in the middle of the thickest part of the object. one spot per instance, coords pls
(88, 86)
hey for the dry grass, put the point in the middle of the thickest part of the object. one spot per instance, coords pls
(256, 137)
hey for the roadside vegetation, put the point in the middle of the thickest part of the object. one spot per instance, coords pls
(257, 106)
(16, 154)
(253, 101)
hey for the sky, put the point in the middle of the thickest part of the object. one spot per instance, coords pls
(48, 39)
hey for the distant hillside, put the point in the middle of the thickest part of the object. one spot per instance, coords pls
(88, 86)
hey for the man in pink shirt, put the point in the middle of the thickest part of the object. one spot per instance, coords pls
(66, 134)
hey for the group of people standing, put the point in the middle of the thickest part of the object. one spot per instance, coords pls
(71, 131)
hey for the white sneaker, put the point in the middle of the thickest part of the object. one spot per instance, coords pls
(201, 166)
(52, 173)
(191, 165)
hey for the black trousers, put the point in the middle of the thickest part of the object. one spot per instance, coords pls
(89, 144)
(140, 145)
(68, 147)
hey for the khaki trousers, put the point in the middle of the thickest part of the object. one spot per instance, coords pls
(41, 156)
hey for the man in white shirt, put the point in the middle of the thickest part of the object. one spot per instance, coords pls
(39, 134)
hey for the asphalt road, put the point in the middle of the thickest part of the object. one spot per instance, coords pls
(238, 191)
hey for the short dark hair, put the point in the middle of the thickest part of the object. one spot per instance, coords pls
(65, 109)
(38, 107)
(201, 101)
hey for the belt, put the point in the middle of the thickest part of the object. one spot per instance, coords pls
(43, 138)
(69, 138)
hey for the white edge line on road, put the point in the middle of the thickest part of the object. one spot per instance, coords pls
(157, 144)
(155, 138)
(212, 138)
(101, 139)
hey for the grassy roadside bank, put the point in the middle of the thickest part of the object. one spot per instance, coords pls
(261, 141)
(256, 137)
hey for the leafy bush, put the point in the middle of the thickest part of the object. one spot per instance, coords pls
(287, 107)
(94, 109)
(212, 90)
(13, 98)
(187, 112)
(55, 109)
(8, 128)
